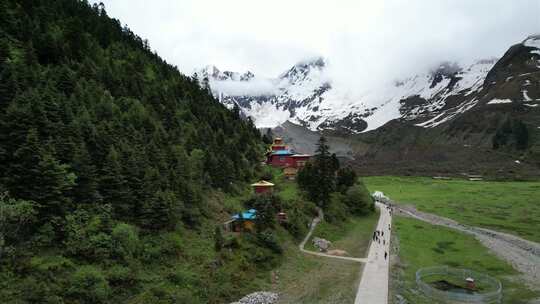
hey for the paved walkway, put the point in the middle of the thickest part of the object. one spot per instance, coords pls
(373, 287)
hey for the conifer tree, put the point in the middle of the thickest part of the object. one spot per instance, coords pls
(112, 184)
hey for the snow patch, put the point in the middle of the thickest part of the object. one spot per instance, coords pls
(267, 115)
(499, 101)
(531, 105)
(532, 41)
(526, 96)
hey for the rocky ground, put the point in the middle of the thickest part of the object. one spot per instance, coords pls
(260, 297)
(305, 141)
(522, 254)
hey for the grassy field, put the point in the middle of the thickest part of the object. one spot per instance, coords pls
(316, 280)
(425, 245)
(352, 236)
(512, 207)
(307, 279)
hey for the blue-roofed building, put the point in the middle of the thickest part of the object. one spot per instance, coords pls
(246, 215)
(243, 221)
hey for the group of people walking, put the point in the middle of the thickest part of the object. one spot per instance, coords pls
(378, 235)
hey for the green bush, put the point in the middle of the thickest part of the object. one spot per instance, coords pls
(358, 200)
(87, 235)
(89, 285)
(125, 240)
(160, 248)
(121, 275)
(336, 211)
(269, 240)
(164, 294)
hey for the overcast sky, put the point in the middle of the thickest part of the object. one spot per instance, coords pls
(363, 39)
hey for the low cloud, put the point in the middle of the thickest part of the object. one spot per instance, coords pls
(366, 42)
(254, 87)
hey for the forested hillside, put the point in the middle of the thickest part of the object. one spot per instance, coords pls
(104, 149)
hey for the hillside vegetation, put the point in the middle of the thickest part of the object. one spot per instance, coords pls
(117, 172)
(109, 158)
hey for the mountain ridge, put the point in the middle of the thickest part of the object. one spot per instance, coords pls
(305, 95)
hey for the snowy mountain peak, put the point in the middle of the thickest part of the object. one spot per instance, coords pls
(532, 41)
(212, 73)
(302, 68)
(305, 94)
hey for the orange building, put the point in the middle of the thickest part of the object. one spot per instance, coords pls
(263, 187)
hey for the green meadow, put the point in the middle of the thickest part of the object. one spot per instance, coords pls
(425, 245)
(512, 207)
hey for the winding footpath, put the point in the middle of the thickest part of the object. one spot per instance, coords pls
(311, 229)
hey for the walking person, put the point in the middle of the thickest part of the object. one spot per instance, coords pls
(385, 255)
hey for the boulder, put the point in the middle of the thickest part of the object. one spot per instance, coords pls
(321, 244)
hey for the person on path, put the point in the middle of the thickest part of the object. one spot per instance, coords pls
(385, 255)
(382, 233)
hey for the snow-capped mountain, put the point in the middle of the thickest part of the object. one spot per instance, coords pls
(307, 96)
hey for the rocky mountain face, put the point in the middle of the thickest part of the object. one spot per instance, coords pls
(307, 96)
(492, 128)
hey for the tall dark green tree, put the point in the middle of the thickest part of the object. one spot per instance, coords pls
(113, 186)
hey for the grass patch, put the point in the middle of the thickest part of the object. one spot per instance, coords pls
(511, 207)
(425, 245)
(305, 279)
(353, 235)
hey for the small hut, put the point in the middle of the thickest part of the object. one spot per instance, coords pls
(243, 221)
(263, 187)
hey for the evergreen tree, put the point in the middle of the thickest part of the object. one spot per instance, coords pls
(325, 169)
(86, 188)
(345, 178)
(112, 184)
(219, 241)
(36, 175)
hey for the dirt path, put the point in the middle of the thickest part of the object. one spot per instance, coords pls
(522, 254)
(311, 229)
(373, 287)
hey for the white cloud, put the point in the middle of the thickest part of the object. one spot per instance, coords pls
(365, 41)
(255, 87)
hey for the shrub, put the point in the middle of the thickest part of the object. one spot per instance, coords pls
(125, 240)
(165, 294)
(87, 235)
(121, 275)
(88, 285)
(268, 239)
(336, 211)
(358, 199)
(266, 173)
